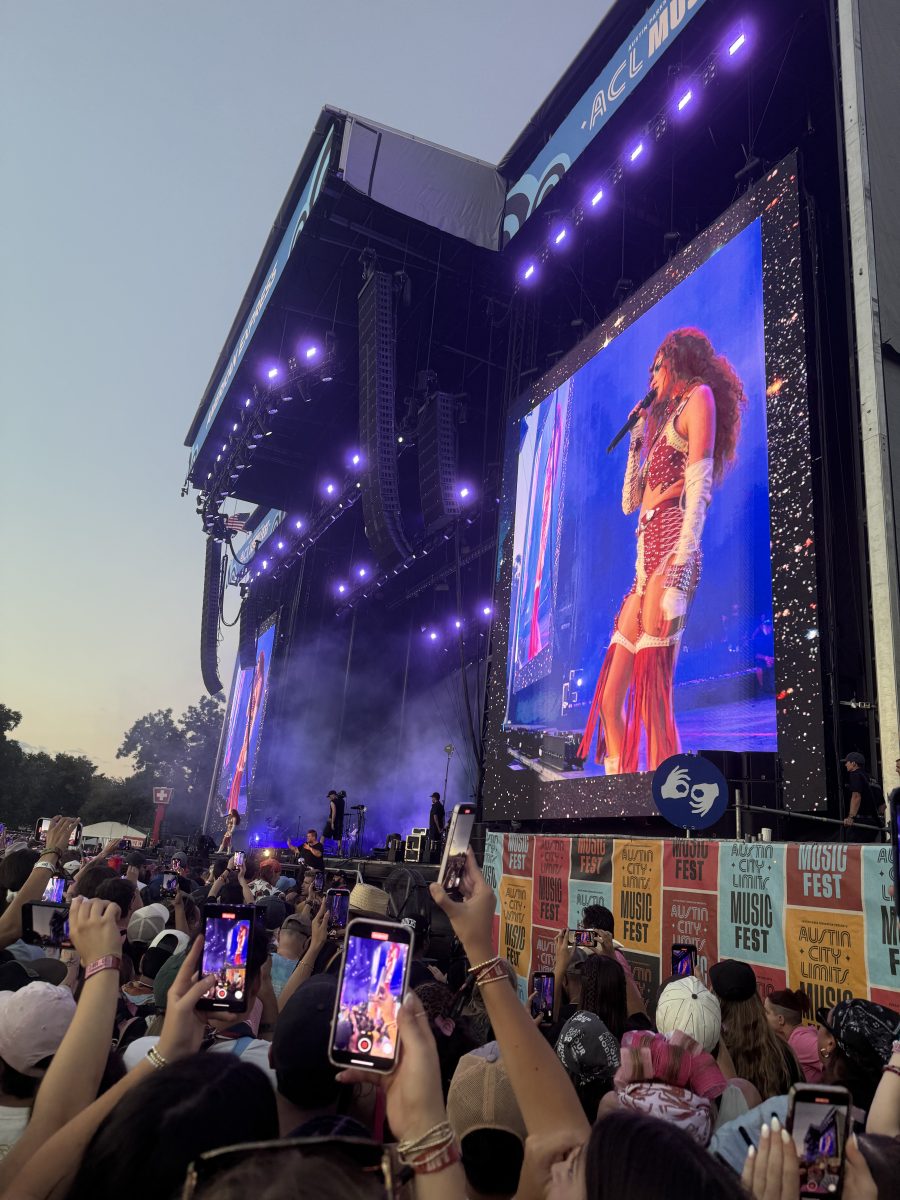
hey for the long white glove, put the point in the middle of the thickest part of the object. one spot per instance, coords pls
(697, 494)
(633, 486)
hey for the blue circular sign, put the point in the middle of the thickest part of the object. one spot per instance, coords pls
(689, 791)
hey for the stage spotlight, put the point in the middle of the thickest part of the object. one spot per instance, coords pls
(464, 492)
(234, 427)
(636, 152)
(458, 624)
(265, 564)
(486, 610)
(362, 572)
(311, 352)
(685, 100)
(560, 237)
(433, 636)
(355, 460)
(400, 440)
(579, 682)
(329, 488)
(281, 545)
(273, 372)
(529, 272)
(738, 44)
(596, 198)
(247, 402)
(298, 524)
(342, 587)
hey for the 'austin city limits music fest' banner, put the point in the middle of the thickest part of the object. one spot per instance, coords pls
(814, 916)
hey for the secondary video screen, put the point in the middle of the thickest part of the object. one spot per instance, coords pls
(659, 597)
(371, 993)
(225, 948)
(246, 711)
(819, 1134)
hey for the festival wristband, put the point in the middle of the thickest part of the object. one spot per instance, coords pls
(109, 962)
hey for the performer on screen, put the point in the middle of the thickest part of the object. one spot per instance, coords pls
(684, 445)
(256, 691)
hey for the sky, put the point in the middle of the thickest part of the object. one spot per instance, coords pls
(145, 149)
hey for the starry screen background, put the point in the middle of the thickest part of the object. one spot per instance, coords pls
(794, 731)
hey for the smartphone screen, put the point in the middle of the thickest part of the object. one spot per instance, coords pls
(43, 826)
(585, 937)
(453, 862)
(370, 991)
(818, 1120)
(238, 857)
(337, 904)
(169, 884)
(53, 892)
(46, 925)
(684, 958)
(319, 881)
(226, 946)
(543, 985)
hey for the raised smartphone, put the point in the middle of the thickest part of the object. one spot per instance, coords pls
(43, 825)
(169, 885)
(684, 958)
(584, 937)
(337, 905)
(55, 890)
(46, 925)
(453, 860)
(543, 986)
(818, 1119)
(371, 988)
(226, 947)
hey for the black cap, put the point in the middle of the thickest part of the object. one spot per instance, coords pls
(18, 974)
(303, 1032)
(732, 980)
(855, 757)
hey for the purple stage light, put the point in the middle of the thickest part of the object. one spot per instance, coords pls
(458, 624)
(529, 272)
(355, 460)
(265, 564)
(234, 427)
(487, 610)
(463, 493)
(685, 100)
(330, 489)
(312, 351)
(298, 524)
(560, 237)
(247, 402)
(636, 152)
(739, 42)
(341, 588)
(273, 372)
(281, 545)
(433, 636)
(362, 572)
(596, 198)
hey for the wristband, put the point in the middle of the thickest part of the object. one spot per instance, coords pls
(895, 1047)
(438, 1161)
(488, 962)
(45, 866)
(889, 1067)
(109, 962)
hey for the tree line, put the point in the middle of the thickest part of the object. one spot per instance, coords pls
(164, 751)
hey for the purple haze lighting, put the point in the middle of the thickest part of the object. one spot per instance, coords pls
(458, 624)
(330, 489)
(463, 493)
(685, 100)
(487, 610)
(560, 237)
(738, 43)
(433, 636)
(341, 588)
(637, 152)
(355, 460)
(529, 272)
(273, 371)
(596, 198)
(298, 524)
(362, 572)
(312, 351)
(281, 545)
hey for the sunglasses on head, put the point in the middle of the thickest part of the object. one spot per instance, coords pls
(369, 1157)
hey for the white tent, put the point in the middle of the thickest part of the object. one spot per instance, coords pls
(106, 830)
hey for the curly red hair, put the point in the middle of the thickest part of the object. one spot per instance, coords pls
(689, 355)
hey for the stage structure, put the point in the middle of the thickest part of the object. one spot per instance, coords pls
(402, 450)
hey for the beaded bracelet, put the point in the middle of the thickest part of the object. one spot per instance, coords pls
(492, 974)
(488, 962)
(155, 1059)
(437, 1135)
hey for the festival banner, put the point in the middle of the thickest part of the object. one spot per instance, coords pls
(515, 922)
(646, 971)
(826, 955)
(492, 867)
(637, 876)
(592, 858)
(825, 875)
(583, 892)
(690, 917)
(882, 933)
(518, 854)
(751, 903)
(691, 863)
(551, 881)
(543, 949)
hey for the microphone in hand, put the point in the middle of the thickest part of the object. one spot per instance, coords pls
(633, 417)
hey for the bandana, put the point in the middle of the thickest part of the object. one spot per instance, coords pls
(677, 1060)
(677, 1105)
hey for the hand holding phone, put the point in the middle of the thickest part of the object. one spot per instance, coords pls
(169, 885)
(818, 1120)
(371, 987)
(337, 907)
(46, 925)
(238, 860)
(55, 890)
(543, 985)
(453, 860)
(583, 937)
(684, 958)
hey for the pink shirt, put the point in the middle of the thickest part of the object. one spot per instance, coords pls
(805, 1044)
(623, 963)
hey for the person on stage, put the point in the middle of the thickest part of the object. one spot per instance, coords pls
(679, 449)
(436, 818)
(334, 826)
(232, 820)
(312, 852)
(864, 821)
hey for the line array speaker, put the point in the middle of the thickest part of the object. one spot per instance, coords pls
(437, 445)
(377, 420)
(209, 619)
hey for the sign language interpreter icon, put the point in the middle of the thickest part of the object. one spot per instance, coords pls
(689, 791)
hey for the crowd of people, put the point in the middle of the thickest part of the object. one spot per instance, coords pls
(114, 1082)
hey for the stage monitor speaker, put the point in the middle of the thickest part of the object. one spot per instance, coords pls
(561, 752)
(209, 620)
(416, 847)
(438, 468)
(377, 421)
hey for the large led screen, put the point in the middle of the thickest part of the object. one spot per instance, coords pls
(661, 597)
(244, 719)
